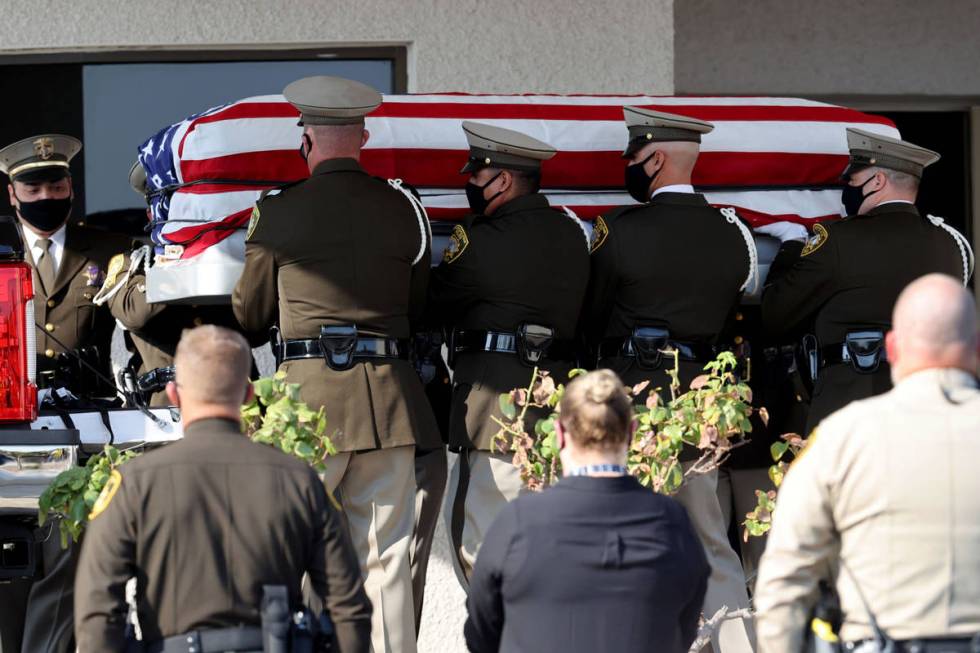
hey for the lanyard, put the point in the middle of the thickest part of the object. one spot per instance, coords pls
(587, 470)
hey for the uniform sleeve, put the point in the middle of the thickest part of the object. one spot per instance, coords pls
(801, 544)
(128, 304)
(454, 284)
(484, 603)
(255, 299)
(798, 284)
(603, 279)
(336, 576)
(106, 563)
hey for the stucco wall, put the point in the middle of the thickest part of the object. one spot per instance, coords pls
(832, 47)
(464, 45)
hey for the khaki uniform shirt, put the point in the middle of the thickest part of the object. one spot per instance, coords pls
(342, 248)
(890, 487)
(203, 524)
(66, 311)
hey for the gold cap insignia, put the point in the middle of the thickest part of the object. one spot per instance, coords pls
(44, 148)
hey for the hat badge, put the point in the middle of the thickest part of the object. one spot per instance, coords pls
(44, 148)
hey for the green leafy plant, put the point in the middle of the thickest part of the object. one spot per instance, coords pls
(758, 522)
(276, 416)
(712, 417)
(73, 493)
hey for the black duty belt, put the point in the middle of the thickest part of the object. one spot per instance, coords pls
(503, 342)
(365, 348)
(686, 351)
(938, 645)
(217, 640)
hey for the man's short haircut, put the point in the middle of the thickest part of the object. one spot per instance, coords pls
(212, 365)
(901, 180)
(596, 412)
(526, 182)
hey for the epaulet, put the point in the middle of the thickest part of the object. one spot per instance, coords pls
(600, 226)
(272, 192)
(469, 219)
(404, 184)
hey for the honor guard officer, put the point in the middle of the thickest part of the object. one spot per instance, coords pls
(208, 523)
(670, 272)
(847, 276)
(509, 290)
(155, 328)
(341, 262)
(884, 502)
(69, 262)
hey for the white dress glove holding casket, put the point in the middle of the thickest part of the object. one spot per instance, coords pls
(784, 231)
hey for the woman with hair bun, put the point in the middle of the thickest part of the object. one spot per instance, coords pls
(595, 563)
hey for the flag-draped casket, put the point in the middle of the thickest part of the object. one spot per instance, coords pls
(772, 159)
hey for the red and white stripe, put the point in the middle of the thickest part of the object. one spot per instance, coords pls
(779, 144)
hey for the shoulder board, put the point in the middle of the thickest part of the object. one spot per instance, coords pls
(459, 240)
(817, 240)
(272, 192)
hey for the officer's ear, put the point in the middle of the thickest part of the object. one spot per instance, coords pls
(658, 160)
(506, 180)
(13, 196)
(172, 395)
(365, 136)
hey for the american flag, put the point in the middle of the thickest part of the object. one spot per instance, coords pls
(772, 159)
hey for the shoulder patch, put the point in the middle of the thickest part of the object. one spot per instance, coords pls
(458, 241)
(108, 491)
(116, 265)
(253, 222)
(600, 230)
(816, 241)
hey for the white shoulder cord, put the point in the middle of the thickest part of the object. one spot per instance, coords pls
(581, 225)
(753, 277)
(425, 230)
(966, 252)
(135, 260)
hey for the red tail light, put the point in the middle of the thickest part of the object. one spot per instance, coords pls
(18, 349)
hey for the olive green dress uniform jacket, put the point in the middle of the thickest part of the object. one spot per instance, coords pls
(526, 263)
(156, 328)
(203, 524)
(849, 280)
(889, 485)
(673, 263)
(66, 311)
(340, 248)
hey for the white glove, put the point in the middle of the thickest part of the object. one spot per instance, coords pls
(784, 231)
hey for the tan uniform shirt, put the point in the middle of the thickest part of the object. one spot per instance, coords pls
(890, 487)
(203, 524)
(342, 248)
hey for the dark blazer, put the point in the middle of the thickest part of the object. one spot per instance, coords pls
(592, 564)
(203, 524)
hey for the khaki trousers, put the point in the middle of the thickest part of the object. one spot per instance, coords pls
(430, 484)
(726, 585)
(736, 495)
(480, 485)
(377, 492)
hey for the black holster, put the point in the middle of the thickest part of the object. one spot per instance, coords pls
(337, 344)
(864, 349)
(533, 343)
(648, 345)
(275, 341)
(275, 619)
(426, 350)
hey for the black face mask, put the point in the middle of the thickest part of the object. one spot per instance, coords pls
(638, 181)
(45, 215)
(305, 147)
(852, 197)
(474, 195)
